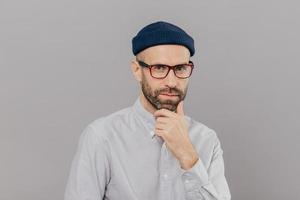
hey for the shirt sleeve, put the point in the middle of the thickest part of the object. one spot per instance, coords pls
(90, 172)
(207, 184)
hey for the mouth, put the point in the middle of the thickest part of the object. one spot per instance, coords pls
(169, 94)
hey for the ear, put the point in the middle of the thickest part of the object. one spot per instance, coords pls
(136, 70)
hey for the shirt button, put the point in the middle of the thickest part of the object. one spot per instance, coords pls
(165, 176)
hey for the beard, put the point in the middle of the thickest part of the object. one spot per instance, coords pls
(153, 96)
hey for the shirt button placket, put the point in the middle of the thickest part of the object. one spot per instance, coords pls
(165, 180)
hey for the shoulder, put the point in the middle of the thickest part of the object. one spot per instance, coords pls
(103, 126)
(204, 138)
(200, 131)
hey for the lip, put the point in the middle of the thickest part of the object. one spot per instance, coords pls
(169, 95)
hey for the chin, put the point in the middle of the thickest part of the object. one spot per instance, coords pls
(170, 107)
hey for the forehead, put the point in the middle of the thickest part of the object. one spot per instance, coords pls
(166, 54)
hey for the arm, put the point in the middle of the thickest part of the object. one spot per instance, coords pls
(90, 171)
(207, 184)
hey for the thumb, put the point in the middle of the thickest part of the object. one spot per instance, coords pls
(179, 109)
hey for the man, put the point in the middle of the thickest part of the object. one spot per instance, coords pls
(151, 150)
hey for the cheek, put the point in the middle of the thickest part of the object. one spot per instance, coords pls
(151, 83)
(184, 85)
(147, 85)
(154, 88)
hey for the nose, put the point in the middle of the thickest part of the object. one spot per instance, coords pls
(171, 79)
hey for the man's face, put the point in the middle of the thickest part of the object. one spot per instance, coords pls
(168, 92)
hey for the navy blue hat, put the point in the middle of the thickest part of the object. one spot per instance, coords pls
(159, 33)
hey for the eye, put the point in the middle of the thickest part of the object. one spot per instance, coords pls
(181, 67)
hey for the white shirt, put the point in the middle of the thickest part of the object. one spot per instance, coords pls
(120, 158)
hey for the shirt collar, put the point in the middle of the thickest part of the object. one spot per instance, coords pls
(147, 116)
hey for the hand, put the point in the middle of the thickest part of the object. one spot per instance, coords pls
(173, 129)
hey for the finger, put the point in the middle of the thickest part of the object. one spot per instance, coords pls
(160, 133)
(179, 109)
(160, 126)
(163, 113)
(163, 120)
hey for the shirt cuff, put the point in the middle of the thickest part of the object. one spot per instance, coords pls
(195, 176)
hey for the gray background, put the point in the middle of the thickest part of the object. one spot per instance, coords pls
(65, 63)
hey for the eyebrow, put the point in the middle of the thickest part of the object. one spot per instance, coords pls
(169, 65)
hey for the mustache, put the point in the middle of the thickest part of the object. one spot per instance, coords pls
(174, 91)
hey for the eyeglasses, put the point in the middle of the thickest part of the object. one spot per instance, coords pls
(161, 71)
